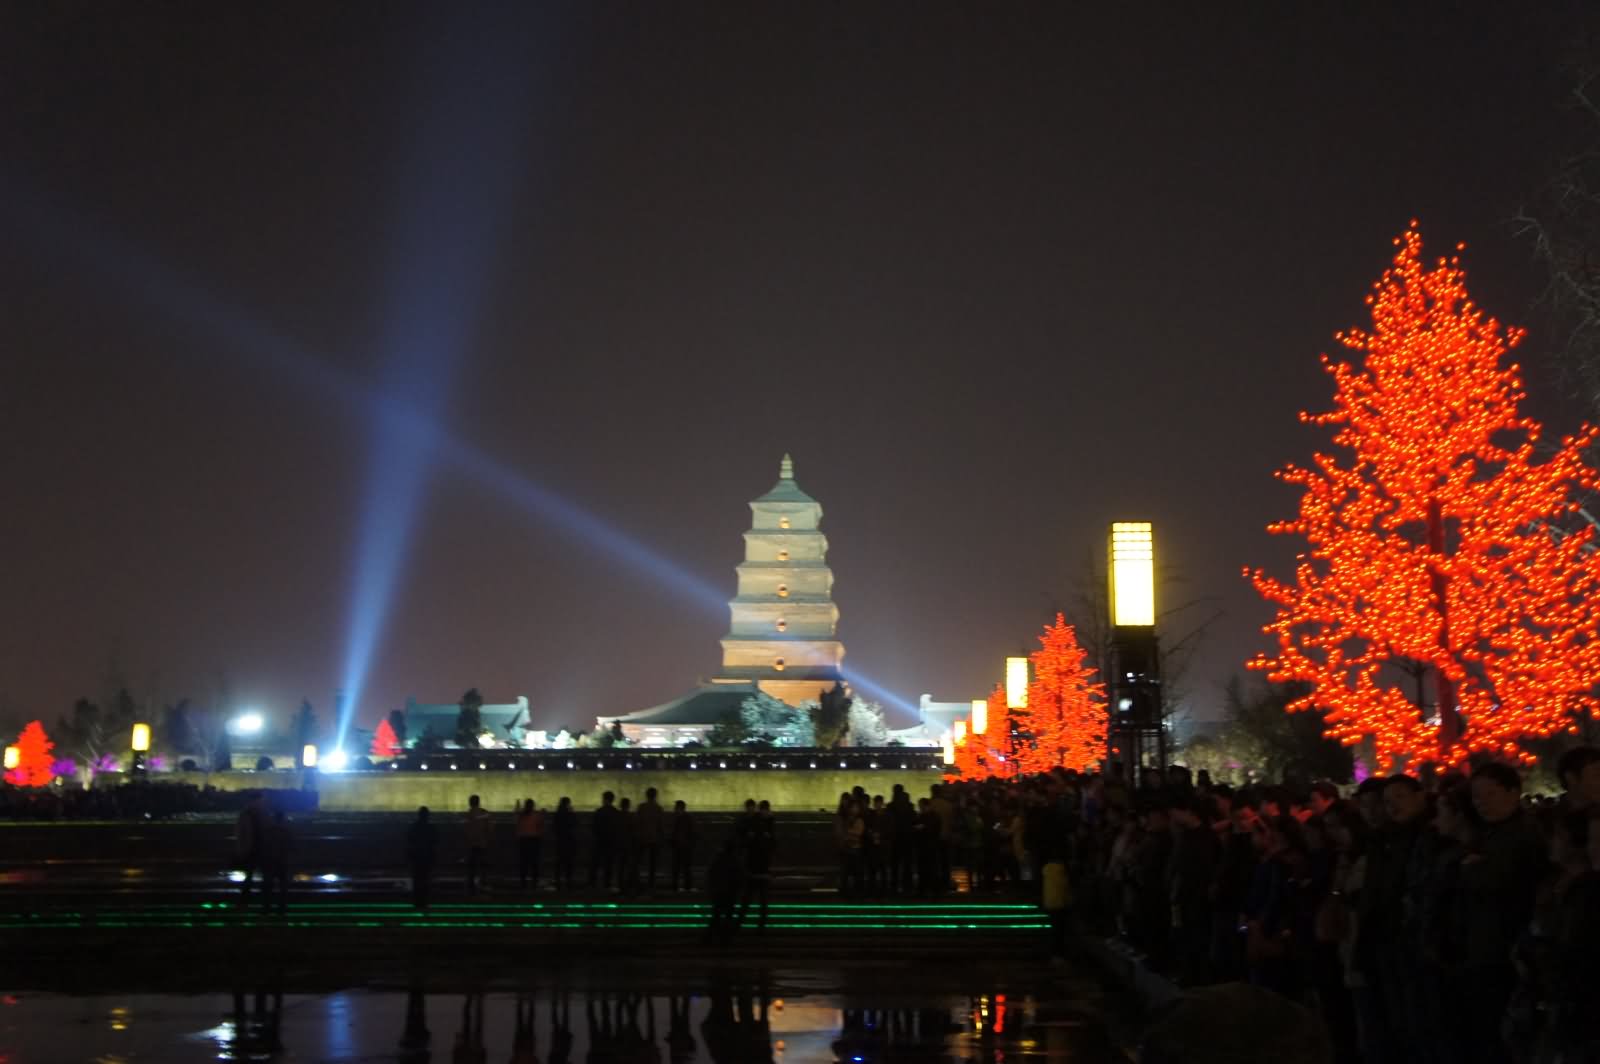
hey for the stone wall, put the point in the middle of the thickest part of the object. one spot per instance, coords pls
(788, 790)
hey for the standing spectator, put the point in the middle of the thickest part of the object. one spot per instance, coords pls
(854, 841)
(275, 845)
(1573, 1021)
(968, 841)
(1195, 854)
(902, 841)
(627, 849)
(602, 855)
(1499, 882)
(477, 832)
(841, 831)
(1152, 889)
(681, 833)
(945, 810)
(1579, 769)
(647, 831)
(929, 844)
(1235, 872)
(250, 828)
(1391, 932)
(564, 826)
(759, 842)
(724, 883)
(874, 844)
(422, 846)
(1443, 926)
(530, 841)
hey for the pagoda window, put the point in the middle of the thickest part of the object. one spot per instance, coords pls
(783, 590)
(778, 665)
(783, 522)
(783, 625)
(783, 555)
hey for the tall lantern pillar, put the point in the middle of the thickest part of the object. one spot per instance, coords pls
(1137, 735)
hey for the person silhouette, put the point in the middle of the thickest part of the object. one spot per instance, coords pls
(276, 842)
(422, 845)
(564, 826)
(603, 852)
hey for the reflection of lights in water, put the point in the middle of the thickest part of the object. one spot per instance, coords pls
(119, 1018)
(225, 1034)
(236, 876)
(328, 877)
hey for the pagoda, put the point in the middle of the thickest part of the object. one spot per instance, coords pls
(783, 629)
(782, 632)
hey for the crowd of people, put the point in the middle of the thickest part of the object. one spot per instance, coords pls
(1453, 921)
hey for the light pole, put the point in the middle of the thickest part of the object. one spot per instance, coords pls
(140, 743)
(1016, 700)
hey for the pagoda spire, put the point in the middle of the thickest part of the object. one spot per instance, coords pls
(786, 468)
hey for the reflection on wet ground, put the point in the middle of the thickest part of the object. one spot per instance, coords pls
(732, 1020)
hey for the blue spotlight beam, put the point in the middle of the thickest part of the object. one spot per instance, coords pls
(452, 193)
(148, 285)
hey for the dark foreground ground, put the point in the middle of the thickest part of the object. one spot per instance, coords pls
(665, 1010)
(127, 943)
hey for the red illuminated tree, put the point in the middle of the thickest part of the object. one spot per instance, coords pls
(385, 743)
(35, 756)
(1066, 707)
(1446, 601)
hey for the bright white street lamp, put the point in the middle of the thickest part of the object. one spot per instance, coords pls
(335, 761)
(247, 724)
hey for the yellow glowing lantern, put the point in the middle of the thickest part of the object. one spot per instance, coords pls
(1133, 585)
(960, 727)
(1016, 683)
(980, 716)
(141, 739)
(13, 758)
(949, 745)
(308, 756)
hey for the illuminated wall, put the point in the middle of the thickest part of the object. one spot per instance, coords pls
(789, 791)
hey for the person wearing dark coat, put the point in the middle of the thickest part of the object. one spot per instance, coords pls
(1499, 882)
(422, 846)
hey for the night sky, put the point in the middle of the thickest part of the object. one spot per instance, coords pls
(995, 274)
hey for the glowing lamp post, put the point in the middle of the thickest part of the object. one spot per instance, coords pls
(980, 716)
(949, 745)
(140, 744)
(308, 755)
(1016, 704)
(13, 758)
(1134, 680)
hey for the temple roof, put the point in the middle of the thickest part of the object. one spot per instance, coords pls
(786, 490)
(710, 704)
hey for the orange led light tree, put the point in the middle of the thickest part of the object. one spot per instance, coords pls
(35, 758)
(1446, 602)
(1066, 707)
(385, 743)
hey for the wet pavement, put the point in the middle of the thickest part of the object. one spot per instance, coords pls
(717, 1016)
